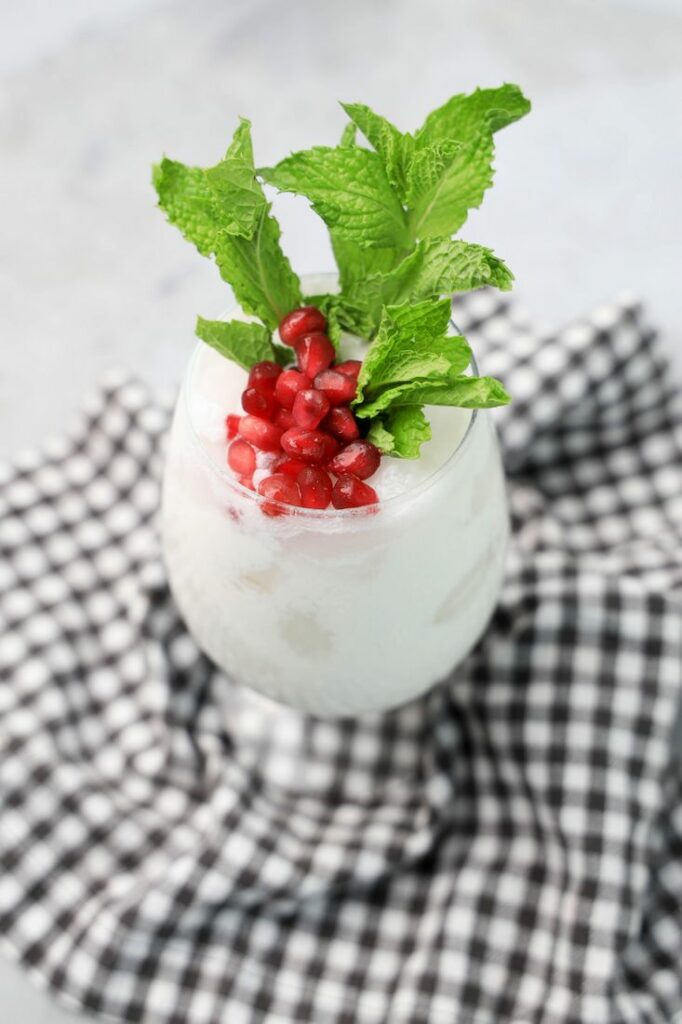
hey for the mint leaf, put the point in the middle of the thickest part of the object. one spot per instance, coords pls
(203, 203)
(356, 264)
(437, 266)
(394, 148)
(463, 116)
(381, 437)
(452, 163)
(401, 432)
(348, 188)
(241, 146)
(443, 266)
(260, 274)
(243, 343)
(224, 212)
(445, 181)
(411, 343)
(342, 315)
(462, 391)
(188, 202)
(237, 196)
(348, 135)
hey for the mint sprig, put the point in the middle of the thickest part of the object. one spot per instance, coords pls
(435, 176)
(224, 212)
(414, 361)
(391, 210)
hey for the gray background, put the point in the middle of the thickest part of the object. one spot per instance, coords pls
(587, 202)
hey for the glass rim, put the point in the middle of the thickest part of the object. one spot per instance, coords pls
(226, 476)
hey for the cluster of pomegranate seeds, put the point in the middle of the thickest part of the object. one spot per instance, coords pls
(299, 428)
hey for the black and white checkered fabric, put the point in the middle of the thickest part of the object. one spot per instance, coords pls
(507, 849)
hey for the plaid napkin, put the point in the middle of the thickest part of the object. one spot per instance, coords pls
(174, 850)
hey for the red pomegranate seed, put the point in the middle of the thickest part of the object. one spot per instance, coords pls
(247, 481)
(288, 385)
(361, 458)
(280, 487)
(299, 322)
(284, 419)
(257, 403)
(351, 368)
(342, 424)
(349, 492)
(241, 457)
(307, 445)
(315, 487)
(286, 464)
(232, 426)
(264, 376)
(314, 353)
(310, 407)
(260, 433)
(331, 446)
(338, 387)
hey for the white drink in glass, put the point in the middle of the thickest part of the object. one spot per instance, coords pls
(333, 612)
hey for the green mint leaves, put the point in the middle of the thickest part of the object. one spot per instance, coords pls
(401, 431)
(437, 266)
(259, 272)
(391, 145)
(463, 116)
(349, 189)
(243, 343)
(392, 201)
(413, 362)
(407, 187)
(223, 211)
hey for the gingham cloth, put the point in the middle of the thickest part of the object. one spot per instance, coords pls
(506, 849)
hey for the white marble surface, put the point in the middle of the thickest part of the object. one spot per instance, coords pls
(587, 202)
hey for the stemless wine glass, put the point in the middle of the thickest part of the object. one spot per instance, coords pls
(333, 612)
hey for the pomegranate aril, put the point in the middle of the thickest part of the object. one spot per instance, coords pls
(284, 419)
(241, 457)
(232, 425)
(349, 492)
(315, 487)
(314, 353)
(260, 433)
(342, 424)
(351, 368)
(280, 487)
(301, 321)
(331, 446)
(361, 458)
(307, 445)
(310, 408)
(338, 387)
(286, 464)
(288, 385)
(247, 481)
(264, 376)
(257, 403)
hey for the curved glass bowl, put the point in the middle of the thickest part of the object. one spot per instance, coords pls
(334, 612)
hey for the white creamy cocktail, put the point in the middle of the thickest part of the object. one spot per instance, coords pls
(335, 612)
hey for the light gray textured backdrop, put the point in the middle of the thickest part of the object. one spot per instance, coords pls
(587, 201)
